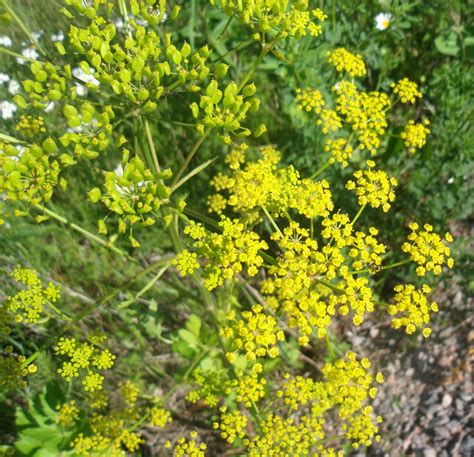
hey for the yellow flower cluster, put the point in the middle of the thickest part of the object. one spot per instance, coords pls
(30, 126)
(256, 334)
(373, 187)
(407, 90)
(289, 287)
(346, 388)
(349, 385)
(232, 424)
(309, 100)
(30, 301)
(83, 356)
(365, 112)
(100, 444)
(428, 249)
(343, 60)
(329, 120)
(412, 309)
(13, 369)
(259, 184)
(262, 184)
(354, 294)
(366, 251)
(28, 174)
(68, 413)
(341, 151)
(186, 263)
(189, 448)
(210, 384)
(414, 135)
(288, 18)
(226, 253)
(249, 388)
(159, 417)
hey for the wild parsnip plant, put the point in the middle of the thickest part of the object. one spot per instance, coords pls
(265, 274)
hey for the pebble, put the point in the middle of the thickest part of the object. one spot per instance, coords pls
(447, 400)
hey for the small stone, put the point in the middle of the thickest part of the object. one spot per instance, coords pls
(430, 452)
(447, 400)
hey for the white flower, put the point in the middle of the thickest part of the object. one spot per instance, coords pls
(382, 21)
(28, 53)
(57, 37)
(119, 23)
(14, 87)
(5, 41)
(7, 109)
(4, 78)
(118, 170)
(49, 107)
(450, 180)
(36, 35)
(79, 73)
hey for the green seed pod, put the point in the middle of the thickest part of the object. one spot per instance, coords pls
(194, 109)
(143, 94)
(94, 195)
(138, 64)
(69, 111)
(50, 146)
(249, 90)
(125, 75)
(20, 102)
(54, 95)
(221, 70)
(260, 130)
(186, 50)
(149, 107)
(60, 48)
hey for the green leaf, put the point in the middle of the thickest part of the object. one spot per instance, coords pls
(447, 44)
(194, 324)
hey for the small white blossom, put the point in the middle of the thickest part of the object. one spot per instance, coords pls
(49, 107)
(382, 21)
(28, 53)
(5, 41)
(450, 180)
(7, 109)
(57, 37)
(36, 36)
(14, 87)
(4, 78)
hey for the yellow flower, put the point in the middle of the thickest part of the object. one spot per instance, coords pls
(428, 249)
(407, 90)
(414, 135)
(411, 309)
(310, 100)
(256, 334)
(343, 60)
(374, 188)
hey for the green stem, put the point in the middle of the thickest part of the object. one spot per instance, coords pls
(85, 232)
(22, 26)
(190, 157)
(358, 213)
(318, 172)
(385, 267)
(15, 54)
(265, 50)
(272, 221)
(151, 146)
